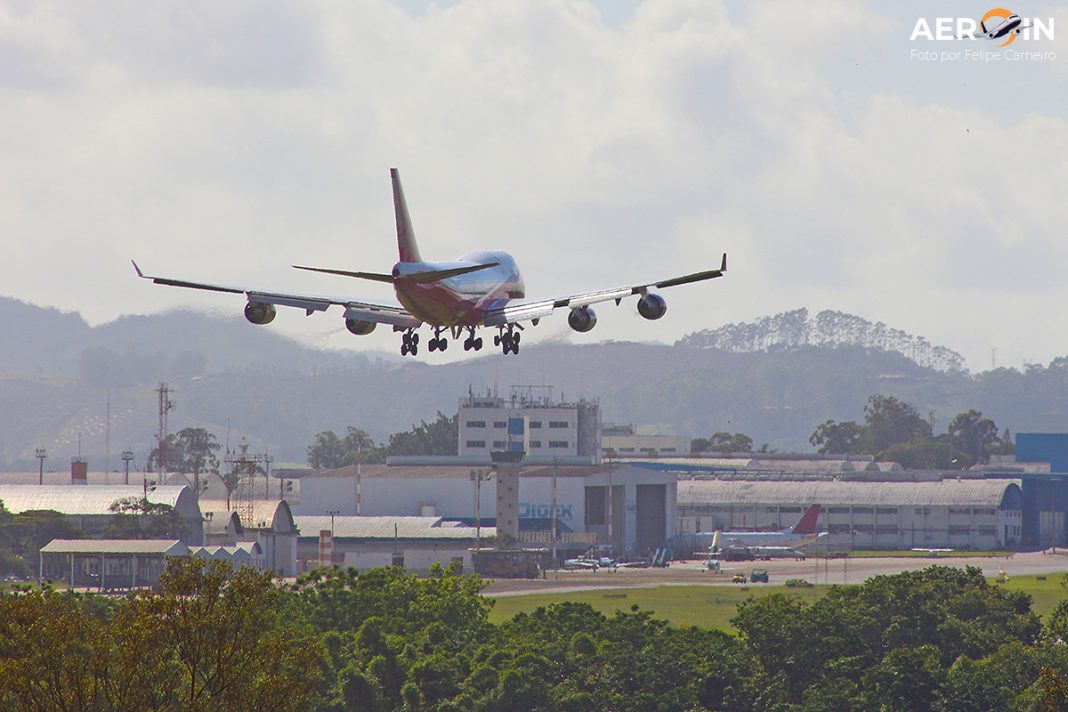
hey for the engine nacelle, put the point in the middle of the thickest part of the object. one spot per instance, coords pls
(259, 313)
(652, 306)
(360, 328)
(582, 319)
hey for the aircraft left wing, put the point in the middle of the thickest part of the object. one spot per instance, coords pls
(393, 314)
(526, 310)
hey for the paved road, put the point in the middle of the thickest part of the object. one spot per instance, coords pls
(686, 573)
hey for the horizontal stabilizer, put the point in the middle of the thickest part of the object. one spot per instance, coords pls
(428, 276)
(374, 276)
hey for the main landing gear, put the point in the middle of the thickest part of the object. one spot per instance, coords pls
(410, 343)
(508, 340)
(439, 342)
(472, 343)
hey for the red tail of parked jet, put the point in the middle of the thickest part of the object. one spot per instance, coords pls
(807, 523)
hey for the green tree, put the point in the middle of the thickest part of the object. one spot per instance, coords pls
(329, 451)
(727, 443)
(974, 436)
(138, 518)
(838, 438)
(189, 450)
(440, 437)
(889, 421)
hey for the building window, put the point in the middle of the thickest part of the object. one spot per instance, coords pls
(626, 449)
(790, 510)
(534, 444)
(476, 423)
(558, 424)
(558, 443)
(838, 510)
(863, 510)
(667, 449)
(886, 529)
(476, 443)
(500, 423)
(499, 444)
(955, 530)
(535, 424)
(982, 510)
(886, 510)
(983, 529)
(959, 510)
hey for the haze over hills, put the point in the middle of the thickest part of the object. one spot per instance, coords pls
(57, 374)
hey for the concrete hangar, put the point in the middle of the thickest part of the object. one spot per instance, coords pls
(965, 513)
(639, 519)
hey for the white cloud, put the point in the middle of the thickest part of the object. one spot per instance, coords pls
(225, 142)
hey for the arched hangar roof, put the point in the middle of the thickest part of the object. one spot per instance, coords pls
(946, 493)
(93, 499)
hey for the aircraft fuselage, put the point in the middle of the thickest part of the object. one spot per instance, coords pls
(464, 299)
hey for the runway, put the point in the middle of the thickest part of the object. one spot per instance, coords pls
(813, 570)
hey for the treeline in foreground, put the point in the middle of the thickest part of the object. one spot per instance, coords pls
(212, 638)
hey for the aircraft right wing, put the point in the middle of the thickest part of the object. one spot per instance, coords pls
(526, 310)
(380, 313)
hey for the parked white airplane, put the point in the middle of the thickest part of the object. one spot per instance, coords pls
(478, 289)
(801, 534)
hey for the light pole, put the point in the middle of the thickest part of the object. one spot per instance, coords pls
(127, 455)
(41, 454)
(556, 464)
(333, 513)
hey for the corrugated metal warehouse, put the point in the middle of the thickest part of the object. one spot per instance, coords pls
(958, 514)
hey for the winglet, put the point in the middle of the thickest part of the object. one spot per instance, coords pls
(409, 250)
(723, 267)
(138, 270)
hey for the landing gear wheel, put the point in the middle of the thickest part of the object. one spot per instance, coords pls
(404, 349)
(478, 344)
(433, 344)
(443, 344)
(515, 341)
(497, 340)
(413, 349)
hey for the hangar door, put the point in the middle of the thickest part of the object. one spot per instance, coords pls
(651, 513)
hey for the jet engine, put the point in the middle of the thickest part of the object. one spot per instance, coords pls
(259, 313)
(360, 328)
(652, 306)
(582, 319)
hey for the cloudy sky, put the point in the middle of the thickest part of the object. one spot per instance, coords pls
(601, 143)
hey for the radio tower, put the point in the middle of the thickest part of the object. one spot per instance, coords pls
(243, 468)
(165, 404)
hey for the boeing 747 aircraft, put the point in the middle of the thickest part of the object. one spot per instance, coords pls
(479, 289)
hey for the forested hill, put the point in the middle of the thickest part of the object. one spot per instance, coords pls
(828, 328)
(777, 395)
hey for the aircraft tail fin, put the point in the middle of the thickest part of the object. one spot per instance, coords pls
(807, 523)
(715, 541)
(409, 250)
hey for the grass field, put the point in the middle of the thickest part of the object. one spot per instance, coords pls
(714, 606)
(706, 606)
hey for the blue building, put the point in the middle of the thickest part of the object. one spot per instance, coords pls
(1045, 493)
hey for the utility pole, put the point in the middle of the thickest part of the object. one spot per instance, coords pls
(556, 464)
(127, 455)
(165, 405)
(359, 467)
(41, 454)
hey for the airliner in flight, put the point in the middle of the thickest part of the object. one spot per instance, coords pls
(479, 289)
